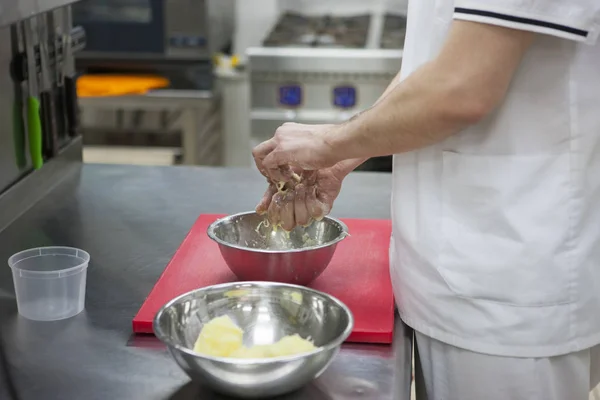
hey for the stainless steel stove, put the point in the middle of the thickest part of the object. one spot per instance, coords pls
(295, 30)
(393, 32)
(323, 69)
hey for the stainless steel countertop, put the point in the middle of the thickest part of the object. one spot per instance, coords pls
(131, 220)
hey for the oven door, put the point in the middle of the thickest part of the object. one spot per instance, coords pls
(122, 28)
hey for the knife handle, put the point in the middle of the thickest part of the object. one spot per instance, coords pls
(34, 126)
(46, 125)
(59, 107)
(71, 104)
(19, 134)
(49, 129)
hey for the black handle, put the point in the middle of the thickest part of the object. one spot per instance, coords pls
(61, 118)
(45, 119)
(49, 134)
(72, 110)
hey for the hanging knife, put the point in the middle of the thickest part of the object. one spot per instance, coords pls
(34, 126)
(18, 123)
(48, 111)
(70, 83)
(56, 60)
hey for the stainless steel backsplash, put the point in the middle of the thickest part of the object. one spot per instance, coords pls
(9, 170)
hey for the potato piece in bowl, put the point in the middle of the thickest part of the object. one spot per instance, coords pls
(221, 337)
(291, 345)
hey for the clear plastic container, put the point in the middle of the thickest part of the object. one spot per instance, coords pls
(50, 282)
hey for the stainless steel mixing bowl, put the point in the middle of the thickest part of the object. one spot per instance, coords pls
(255, 251)
(266, 311)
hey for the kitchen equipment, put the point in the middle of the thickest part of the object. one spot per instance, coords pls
(38, 60)
(37, 68)
(358, 275)
(255, 250)
(175, 38)
(50, 282)
(322, 69)
(266, 312)
(24, 176)
(154, 30)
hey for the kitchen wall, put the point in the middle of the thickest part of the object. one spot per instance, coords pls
(251, 26)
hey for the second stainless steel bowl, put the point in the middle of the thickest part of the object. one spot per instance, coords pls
(255, 251)
(266, 312)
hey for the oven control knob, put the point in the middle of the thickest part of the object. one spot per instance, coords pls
(290, 96)
(344, 96)
(191, 41)
(200, 41)
(176, 41)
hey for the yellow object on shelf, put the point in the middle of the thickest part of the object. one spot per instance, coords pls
(221, 60)
(118, 85)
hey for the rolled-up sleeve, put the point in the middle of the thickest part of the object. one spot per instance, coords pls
(570, 19)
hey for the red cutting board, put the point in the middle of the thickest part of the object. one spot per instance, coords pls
(358, 275)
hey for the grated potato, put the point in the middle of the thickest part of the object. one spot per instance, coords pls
(220, 337)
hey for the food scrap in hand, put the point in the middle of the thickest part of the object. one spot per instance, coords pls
(283, 187)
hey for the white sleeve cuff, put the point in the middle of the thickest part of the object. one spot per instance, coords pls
(570, 19)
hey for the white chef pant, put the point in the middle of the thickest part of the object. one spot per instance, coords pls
(445, 372)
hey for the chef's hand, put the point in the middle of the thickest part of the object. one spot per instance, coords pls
(294, 146)
(309, 199)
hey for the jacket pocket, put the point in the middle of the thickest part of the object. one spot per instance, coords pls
(506, 228)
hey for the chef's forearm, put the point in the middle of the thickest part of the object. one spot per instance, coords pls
(460, 87)
(420, 111)
(389, 88)
(348, 166)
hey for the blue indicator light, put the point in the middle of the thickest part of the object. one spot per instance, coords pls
(290, 96)
(344, 96)
(176, 41)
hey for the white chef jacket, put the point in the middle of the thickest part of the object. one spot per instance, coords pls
(496, 230)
